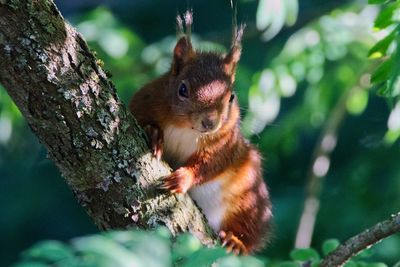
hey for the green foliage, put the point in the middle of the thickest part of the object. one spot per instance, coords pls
(204, 257)
(158, 249)
(372, 2)
(304, 254)
(357, 101)
(115, 44)
(48, 251)
(10, 117)
(127, 248)
(325, 59)
(329, 245)
(273, 15)
(108, 249)
(386, 77)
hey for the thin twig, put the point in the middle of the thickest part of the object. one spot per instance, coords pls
(358, 243)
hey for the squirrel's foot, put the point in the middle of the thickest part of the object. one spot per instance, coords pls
(155, 135)
(179, 181)
(232, 243)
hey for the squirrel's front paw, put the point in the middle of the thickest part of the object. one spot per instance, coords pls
(232, 243)
(179, 181)
(156, 137)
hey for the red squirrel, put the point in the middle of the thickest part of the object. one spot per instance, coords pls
(193, 121)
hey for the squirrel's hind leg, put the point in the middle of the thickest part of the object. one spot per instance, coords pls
(232, 243)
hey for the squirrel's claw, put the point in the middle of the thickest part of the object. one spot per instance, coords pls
(232, 243)
(156, 140)
(179, 181)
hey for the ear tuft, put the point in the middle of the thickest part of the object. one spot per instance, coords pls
(183, 50)
(184, 24)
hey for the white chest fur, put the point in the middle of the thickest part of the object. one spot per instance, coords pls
(179, 145)
(208, 197)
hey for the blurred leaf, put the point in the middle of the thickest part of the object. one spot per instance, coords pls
(292, 10)
(375, 2)
(366, 253)
(384, 18)
(50, 251)
(205, 257)
(394, 118)
(381, 74)
(303, 254)
(163, 232)
(393, 85)
(357, 101)
(288, 264)
(272, 15)
(251, 261)
(185, 245)
(228, 261)
(287, 84)
(30, 264)
(371, 264)
(329, 245)
(382, 90)
(391, 137)
(264, 16)
(242, 261)
(380, 48)
(151, 247)
(104, 249)
(350, 263)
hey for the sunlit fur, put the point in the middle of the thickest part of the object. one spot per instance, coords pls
(179, 144)
(219, 168)
(209, 196)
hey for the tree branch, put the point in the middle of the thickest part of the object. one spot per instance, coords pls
(356, 244)
(70, 104)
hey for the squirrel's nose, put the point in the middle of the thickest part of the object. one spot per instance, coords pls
(207, 123)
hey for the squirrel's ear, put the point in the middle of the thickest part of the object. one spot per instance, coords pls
(231, 60)
(183, 51)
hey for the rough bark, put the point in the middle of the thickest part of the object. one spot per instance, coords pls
(71, 105)
(358, 243)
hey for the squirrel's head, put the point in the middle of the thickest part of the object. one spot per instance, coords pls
(201, 84)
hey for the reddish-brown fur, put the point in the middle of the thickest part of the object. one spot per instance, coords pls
(221, 153)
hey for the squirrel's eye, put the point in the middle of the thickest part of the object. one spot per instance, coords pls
(183, 91)
(232, 97)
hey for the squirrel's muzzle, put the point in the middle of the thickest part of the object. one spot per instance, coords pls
(210, 121)
(208, 124)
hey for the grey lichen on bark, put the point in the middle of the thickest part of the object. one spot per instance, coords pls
(73, 108)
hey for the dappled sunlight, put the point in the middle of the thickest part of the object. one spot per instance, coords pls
(273, 15)
(5, 129)
(102, 30)
(321, 166)
(305, 58)
(394, 119)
